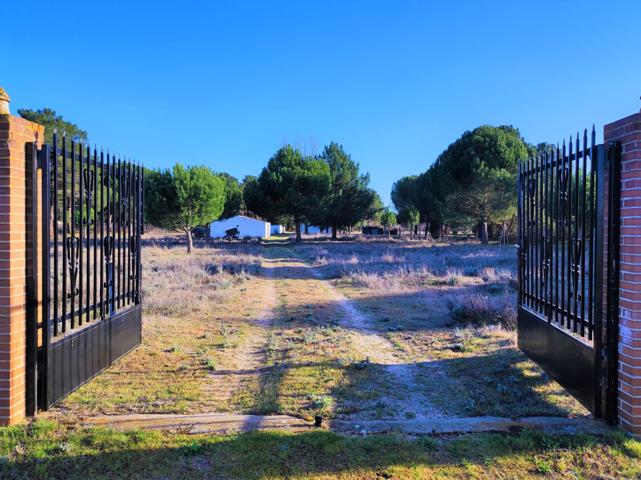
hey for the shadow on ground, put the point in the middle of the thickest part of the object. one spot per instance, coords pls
(101, 453)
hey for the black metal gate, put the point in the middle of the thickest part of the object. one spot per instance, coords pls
(90, 227)
(568, 210)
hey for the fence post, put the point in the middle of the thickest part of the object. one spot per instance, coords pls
(15, 268)
(628, 132)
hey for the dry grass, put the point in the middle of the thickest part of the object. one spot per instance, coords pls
(451, 311)
(194, 313)
(436, 322)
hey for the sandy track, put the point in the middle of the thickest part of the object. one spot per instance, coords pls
(248, 358)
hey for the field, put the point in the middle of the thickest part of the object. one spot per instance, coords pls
(352, 332)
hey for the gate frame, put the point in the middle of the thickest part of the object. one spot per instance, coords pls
(589, 373)
(108, 337)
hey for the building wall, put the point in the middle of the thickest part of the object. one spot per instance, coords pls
(249, 227)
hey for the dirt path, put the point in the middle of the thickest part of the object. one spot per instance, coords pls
(412, 400)
(244, 364)
(407, 396)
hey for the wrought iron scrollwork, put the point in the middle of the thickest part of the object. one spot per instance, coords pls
(108, 248)
(563, 178)
(577, 256)
(89, 179)
(133, 257)
(73, 255)
(547, 258)
(125, 190)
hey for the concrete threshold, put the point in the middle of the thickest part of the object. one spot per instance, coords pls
(211, 423)
(229, 423)
(427, 426)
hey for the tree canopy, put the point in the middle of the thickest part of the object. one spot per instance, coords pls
(289, 189)
(48, 118)
(233, 196)
(472, 183)
(349, 200)
(184, 198)
(388, 219)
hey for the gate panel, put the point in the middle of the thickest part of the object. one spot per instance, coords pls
(92, 220)
(566, 197)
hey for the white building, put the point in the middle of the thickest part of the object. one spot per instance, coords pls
(277, 229)
(247, 227)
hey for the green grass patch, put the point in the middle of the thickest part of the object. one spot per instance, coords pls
(48, 450)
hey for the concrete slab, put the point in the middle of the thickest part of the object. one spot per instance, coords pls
(211, 423)
(552, 425)
(227, 423)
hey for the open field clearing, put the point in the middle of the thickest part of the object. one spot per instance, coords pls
(356, 329)
(348, 331)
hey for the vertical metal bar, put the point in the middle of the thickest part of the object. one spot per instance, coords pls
(548, 239)
(65, 233)
(71, 251)
(129, 205)
(575, 250)
(103, 205)
(593, 270)
(526, 201)
(598, 277)
(139, 226)
(569, 242)
(54, 192)
(142, 203)
(109, 238)
(121, 266)
(31, 154)
(564, 213)
(539, 228)
(95, 231)
(117, 222)
(81, 240)
(88, 217)
(557, 231)
(47, 224)
(519, 209)
(584, 224)
(535, 233)
(612, 321)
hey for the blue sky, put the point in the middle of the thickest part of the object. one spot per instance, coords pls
(225, 83)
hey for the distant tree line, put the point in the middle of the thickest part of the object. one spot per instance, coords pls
(472, 184)
(327, 190)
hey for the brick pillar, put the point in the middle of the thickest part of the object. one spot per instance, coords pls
(628, 132)
(15, 181)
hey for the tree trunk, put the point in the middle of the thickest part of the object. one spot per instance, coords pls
(504, 235)
(190, 240)
(334, 233)
(483, 233)
(298, 237)
(306, 229)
